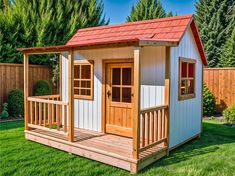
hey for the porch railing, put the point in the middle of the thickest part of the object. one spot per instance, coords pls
(46, 112)
(154, 126)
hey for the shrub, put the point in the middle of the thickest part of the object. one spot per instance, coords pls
(4, 114)
(42, 87)
(208, 102)
(229, 114)
(15, 102)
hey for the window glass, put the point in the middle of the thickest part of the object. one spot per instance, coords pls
(116, 75)
(116, 94)
(83, 78)
(184, 70)
(126, 95)
(187, 79)
(126, 76)
(191, 70)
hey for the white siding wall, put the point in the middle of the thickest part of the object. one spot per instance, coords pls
(185, 116)
(152, 76)
(87, 113)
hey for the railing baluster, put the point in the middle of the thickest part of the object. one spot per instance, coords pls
(36, 113)
(154, 124)
(53, 114)
(160, 123)
(40, 113)
(151, 127)
(147, 128)
(31, 112)
(49, 114)
(57, 117)
(65, 118)
(44, 114)
(166, 125)
(46, 111)
(143, 129)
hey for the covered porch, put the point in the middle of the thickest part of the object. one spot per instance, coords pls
(50, 120)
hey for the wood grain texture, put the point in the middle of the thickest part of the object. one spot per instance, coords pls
(12, 77)
(98, 146)
(221, 82)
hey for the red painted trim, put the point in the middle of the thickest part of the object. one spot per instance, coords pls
(198, 42)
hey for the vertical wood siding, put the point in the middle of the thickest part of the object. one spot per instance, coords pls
(221, 82)
(185, 115)
(12, 77)
(87, 113)
(152, 76)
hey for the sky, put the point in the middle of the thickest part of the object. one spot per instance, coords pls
(118, 10)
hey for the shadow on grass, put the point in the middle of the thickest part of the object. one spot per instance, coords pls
(11, 125)
(212, 136)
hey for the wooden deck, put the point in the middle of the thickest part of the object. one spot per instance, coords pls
(106, 148)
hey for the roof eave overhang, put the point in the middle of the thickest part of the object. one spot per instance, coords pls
(123, 43)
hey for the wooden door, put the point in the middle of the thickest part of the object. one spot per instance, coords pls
(119, 98)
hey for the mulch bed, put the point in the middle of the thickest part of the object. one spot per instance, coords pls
(220, 118)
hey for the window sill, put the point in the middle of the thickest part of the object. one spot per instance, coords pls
(186, 97)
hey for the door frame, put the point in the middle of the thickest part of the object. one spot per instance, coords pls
(104, 65)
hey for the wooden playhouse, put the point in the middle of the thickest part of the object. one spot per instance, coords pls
(129, 93)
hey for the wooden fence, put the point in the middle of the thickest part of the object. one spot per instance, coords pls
(221, 82)
(12, 77)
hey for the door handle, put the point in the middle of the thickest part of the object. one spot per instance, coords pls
(109, 93)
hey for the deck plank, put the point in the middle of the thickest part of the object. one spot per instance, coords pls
(108, 143)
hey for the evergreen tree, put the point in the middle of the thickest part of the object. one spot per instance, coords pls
(30, 23)
(214, 26)
(228, 52)
(146, 10)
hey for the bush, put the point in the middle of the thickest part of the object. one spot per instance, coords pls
(208, 102)
(229, 114)
(15, 102)
(4, 114)
(42, 87)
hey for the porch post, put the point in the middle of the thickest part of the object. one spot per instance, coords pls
(26, 90)
(167, 96)
(136, 109)
(70, 95)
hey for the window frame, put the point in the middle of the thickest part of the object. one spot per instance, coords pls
(188, 95)
(85, 62)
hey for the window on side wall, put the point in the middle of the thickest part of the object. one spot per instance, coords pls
(186, 78)
(83, 79)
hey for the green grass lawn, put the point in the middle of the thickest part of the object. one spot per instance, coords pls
(213, 154)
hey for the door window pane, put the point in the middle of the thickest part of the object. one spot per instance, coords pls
(126, 95)
(126, 76)
(116, 94)
(116, 76)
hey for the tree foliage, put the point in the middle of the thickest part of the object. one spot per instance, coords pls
(146, 10)
(216, 22)
(228, 52)
(29, 23)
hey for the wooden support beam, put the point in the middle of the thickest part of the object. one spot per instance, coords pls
(167, 96)
(136, 109)
(71, 96)
(26, 91)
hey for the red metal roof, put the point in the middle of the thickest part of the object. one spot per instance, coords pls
(164, 29)
(169, 29)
